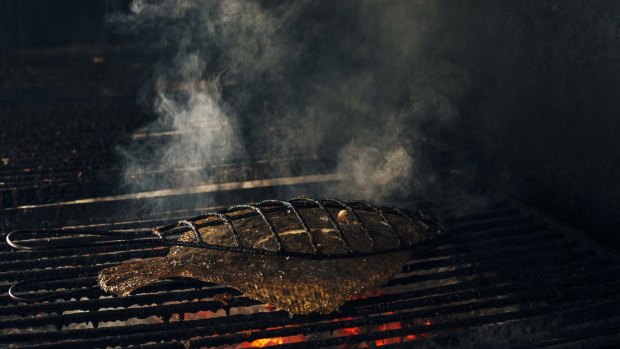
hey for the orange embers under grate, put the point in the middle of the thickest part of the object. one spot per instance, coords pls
(395, 326)
(342, 332)
(352, 331)
(257, 343)
(266, 342)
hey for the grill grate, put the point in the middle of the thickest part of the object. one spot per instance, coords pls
(504, 266)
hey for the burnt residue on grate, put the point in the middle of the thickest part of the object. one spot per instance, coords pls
(504, 277)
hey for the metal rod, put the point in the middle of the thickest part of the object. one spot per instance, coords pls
(261, 213)
(379, 212)
(301, 220)
(351, 211)
(330, 217)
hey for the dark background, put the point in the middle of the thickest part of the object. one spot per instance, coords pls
(40, 23)
(540, 122)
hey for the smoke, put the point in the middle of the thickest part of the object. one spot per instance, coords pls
(197, 47)
(368, 85)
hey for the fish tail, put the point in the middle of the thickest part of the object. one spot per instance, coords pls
(124, 278)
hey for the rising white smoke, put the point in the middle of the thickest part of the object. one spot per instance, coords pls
(362, 82)
(203, 40)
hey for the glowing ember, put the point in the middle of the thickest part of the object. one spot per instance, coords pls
(198, 315)
(352, 331)
(344, 332)
(395, 326)
(265, 342)
(387, 327)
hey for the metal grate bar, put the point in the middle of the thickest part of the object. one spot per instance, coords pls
(210, 326)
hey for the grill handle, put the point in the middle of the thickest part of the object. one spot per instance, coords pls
(18, 295)
(52, 239)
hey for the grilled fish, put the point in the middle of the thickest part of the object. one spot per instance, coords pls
(288, 281)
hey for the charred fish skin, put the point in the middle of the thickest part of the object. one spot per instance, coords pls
(297, 285)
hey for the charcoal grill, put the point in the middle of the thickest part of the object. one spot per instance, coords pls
(505, 276)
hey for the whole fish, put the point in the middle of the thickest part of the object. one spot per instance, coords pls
(317, 259)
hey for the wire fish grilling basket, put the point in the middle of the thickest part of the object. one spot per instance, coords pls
(335, 213)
